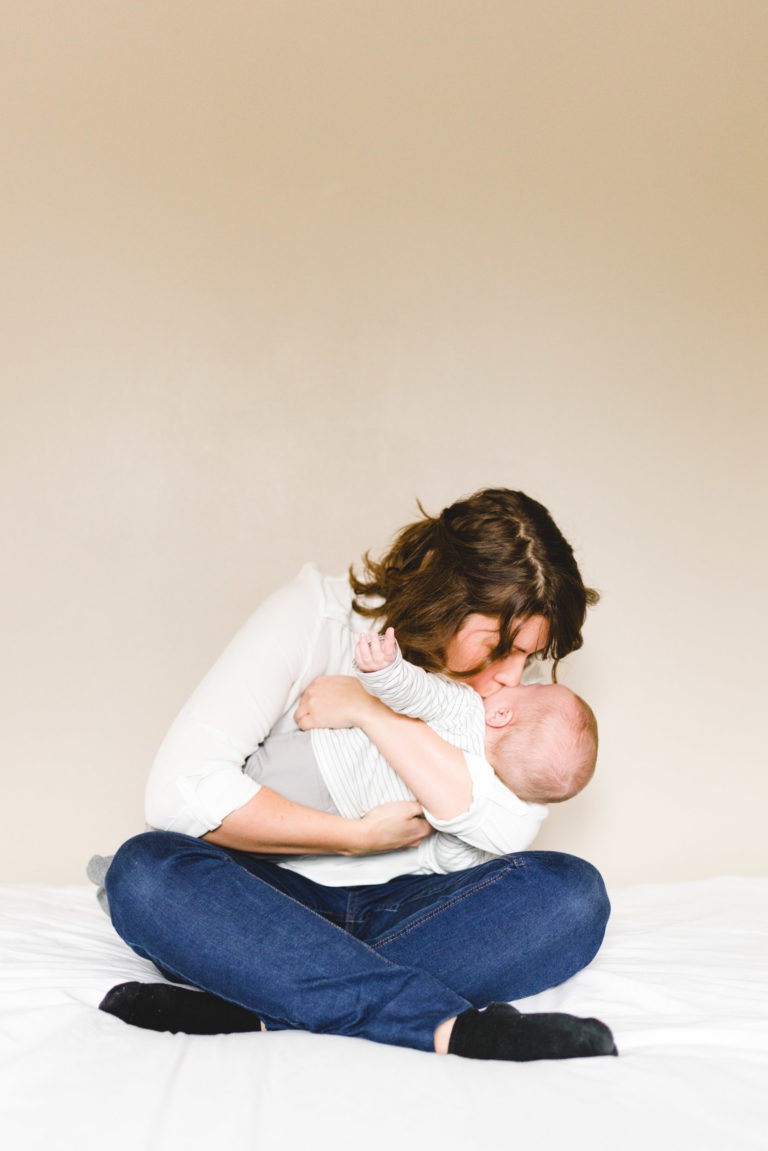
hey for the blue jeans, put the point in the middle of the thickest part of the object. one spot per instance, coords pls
(387, 962)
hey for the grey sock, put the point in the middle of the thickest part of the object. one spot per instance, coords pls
(96, 870)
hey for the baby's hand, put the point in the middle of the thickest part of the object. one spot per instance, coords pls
(374, 652)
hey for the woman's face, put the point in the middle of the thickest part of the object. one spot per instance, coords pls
(476, 639)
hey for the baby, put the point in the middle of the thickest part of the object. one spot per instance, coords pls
(540, 739)
(524, 747)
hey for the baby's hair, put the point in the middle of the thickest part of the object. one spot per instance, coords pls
(551, 755)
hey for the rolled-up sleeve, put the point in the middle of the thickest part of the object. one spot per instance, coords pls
(197, 778)
(496, 821)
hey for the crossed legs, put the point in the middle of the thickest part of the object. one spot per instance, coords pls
(391, 963)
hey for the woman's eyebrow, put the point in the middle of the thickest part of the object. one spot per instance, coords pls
(522, 650)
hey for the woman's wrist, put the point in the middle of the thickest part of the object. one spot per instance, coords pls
(271, 824)
(358, 838)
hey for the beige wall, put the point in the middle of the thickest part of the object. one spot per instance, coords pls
(273, 270)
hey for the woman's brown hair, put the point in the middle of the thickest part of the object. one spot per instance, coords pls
(496, 553)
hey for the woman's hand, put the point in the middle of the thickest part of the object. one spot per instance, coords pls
(335, 701)
(390, 827)
(268, 823)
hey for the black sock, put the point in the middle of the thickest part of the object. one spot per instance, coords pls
(166, 1007)
(501, 1032)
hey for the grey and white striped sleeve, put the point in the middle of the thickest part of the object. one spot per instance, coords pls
(420, 694)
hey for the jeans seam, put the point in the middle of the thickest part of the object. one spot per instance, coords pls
(457, 899)
(350, 917)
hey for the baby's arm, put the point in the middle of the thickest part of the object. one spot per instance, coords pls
(435, 771)
(406, 688)
(460, 793)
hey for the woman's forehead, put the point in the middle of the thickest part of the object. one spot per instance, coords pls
(477, 624)
(529, 634)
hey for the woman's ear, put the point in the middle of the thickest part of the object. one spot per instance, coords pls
(498, 716)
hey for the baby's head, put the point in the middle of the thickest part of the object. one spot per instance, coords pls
(541, 740)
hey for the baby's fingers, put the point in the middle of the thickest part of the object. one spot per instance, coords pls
(374, 652)
(389, 645)
(384, 648)
(363, 653)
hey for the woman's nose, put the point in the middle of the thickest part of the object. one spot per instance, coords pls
(509, 671)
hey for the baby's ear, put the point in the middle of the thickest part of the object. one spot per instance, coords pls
(498, 716)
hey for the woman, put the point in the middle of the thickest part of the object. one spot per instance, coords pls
(476, 592)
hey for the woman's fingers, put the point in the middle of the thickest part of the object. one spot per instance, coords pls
(332, 701)
(395, 825)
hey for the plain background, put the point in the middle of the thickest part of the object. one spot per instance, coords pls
(271, 271)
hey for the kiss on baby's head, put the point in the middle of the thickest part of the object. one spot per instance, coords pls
(541, 740)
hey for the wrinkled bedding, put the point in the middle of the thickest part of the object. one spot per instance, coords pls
(682, 980)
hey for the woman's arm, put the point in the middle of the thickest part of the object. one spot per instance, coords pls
(461, 794)
(273, 825)
(435, 771)
(197, 785)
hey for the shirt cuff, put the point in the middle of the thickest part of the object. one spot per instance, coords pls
(209, 798)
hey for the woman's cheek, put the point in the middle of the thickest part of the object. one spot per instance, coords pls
(483, 683)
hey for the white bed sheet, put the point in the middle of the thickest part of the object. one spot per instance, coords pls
(682, 979)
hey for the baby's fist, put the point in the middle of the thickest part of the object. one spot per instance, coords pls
(374, 652)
